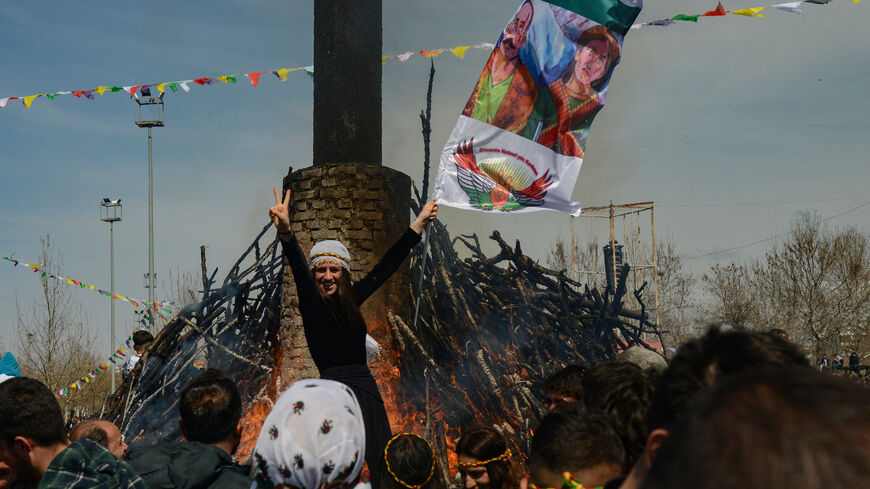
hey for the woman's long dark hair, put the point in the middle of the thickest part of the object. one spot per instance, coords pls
(342, 302)
(484, 444)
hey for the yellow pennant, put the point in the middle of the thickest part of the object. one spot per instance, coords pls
(29, 99)
(224, 78)
(459, 51)
(384, 58)
(100, 89)
(749, 12)
(161, 87)
(282, 73)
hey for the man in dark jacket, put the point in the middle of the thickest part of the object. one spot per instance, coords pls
(211, 410)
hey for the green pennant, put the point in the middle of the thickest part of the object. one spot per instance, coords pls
(613, 14)
(51, 95)
(173, 86)
(116, 89)
(231, 78)
(687, 18)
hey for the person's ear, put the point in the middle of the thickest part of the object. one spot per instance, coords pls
(22, 446)
(524, 482)
(653, 443)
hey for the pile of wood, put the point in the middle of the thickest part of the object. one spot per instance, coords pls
(490, 329)
(234, 328)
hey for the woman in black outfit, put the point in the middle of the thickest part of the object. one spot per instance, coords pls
(329, 304)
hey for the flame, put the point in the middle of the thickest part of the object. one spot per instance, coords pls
(252, 422)
(254, 417)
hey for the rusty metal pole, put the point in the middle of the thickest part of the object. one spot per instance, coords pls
(573, 251)
(652, 221)
(612, 247)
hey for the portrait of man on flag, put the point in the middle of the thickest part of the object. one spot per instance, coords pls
(520, 140)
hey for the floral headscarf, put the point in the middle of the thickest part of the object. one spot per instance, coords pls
(314, 438)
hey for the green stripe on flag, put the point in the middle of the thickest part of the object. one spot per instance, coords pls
(687, 18)
(613, 14)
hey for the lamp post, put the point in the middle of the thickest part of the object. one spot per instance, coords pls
(111, 212)
(153, 117)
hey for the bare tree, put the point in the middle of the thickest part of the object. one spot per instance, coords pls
(677, 299)
(732, 298)
(819, 282)
(560, 258)
(183, 287)
(54, 346)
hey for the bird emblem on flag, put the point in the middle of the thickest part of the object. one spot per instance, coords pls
(503, 182)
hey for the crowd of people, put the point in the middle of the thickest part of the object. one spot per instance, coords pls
(735, 408)
(732, 409)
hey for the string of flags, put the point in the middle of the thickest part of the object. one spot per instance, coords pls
(159, 307)
(162, 309)
(719, 11)
(458, 51)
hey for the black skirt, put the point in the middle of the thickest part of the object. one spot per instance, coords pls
(378, 431)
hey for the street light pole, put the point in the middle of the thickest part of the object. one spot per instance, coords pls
(150, 233)
(153, 117)
(111, 212)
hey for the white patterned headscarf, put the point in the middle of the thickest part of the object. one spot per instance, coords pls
(314, 438)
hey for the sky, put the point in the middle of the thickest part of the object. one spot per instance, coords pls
(732, 126)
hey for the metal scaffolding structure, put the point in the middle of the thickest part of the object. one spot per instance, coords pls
(633, 243)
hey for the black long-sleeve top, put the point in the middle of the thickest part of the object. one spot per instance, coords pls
(332, 340)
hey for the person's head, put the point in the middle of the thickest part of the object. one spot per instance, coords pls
(32, 428)
(623, 392)
(564, 386)
(329, 262)
(409, 462)
(314, 437)
(701, 362)
(597, 52)
(514, 35)
(142, 340)
(485, 460)
(211, 409)
(698, 365)
(103, 432)
(777, 429)
(576, 440)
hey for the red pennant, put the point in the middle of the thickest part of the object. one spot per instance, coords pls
(201, 81)
(77, 93)
(720, 10)
(255, 77)
(133, 90)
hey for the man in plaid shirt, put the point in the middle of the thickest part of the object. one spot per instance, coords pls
(34, 444)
